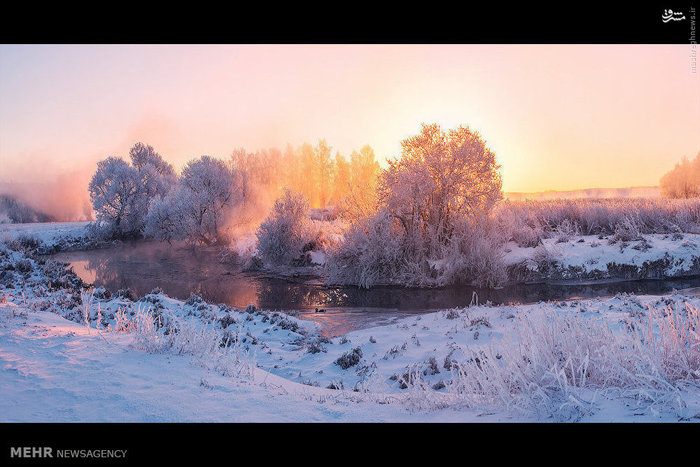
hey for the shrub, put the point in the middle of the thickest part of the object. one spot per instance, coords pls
(349, 359)
(24, 266)
(375, 251)
(284, 233)
(372, 253)
(526, 222)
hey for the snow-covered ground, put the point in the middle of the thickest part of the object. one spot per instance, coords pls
(596, 257)
(47, 232)
(71, 354)
(57, 370)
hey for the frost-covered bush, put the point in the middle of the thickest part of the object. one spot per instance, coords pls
(527, 222)
(375, 251)
(220, 351)
(627, 230)
(567, 230)
(24, 266)
(29, 241)
(349, 359)
(474, 255)
(372, 253)
(282, 236)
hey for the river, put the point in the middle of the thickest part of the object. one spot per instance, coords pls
(180, 270)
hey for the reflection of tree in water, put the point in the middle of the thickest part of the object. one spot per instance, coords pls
(108, 274)
(178, 271)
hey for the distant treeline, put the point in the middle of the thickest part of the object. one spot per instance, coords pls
(588, 193)
(684, 180)
(16, 212)
(325, 178)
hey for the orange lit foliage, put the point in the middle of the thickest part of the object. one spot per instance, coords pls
(441, 180)
(326, 180)
(683, 181)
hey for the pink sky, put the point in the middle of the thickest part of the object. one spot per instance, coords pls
(558, 117)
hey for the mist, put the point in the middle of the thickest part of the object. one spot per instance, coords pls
(63, 198)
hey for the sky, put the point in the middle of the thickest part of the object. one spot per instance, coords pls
(558, 117)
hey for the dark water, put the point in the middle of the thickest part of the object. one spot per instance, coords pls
(181, 270)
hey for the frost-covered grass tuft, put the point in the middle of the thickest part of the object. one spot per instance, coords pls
(557, 365)
(526, 222)
(219, 350)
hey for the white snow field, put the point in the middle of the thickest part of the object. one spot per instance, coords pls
(47, 232)
(52, 369)
(55, 370)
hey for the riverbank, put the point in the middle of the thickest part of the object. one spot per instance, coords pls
(600, 257)
(573, 258)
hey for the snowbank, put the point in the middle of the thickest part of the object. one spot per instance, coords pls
(652, 256)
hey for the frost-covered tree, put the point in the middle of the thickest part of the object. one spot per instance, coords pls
(207, 185)
(142, 155)
(113, 191)
(442, 178)
(283, 234)
(121, 193)
(196, 209)
(13, 210)
(324, 167)
(341, 179)
(361, 198)
(165, 217)
(430, 223)
(156, 176)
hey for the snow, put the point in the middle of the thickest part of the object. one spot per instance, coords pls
(53, 369)
(59, 371)
(47, 232)
(591, 252)
(71, 355)
(317, 257)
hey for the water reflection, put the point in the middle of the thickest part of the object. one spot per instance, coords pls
(180, 270)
